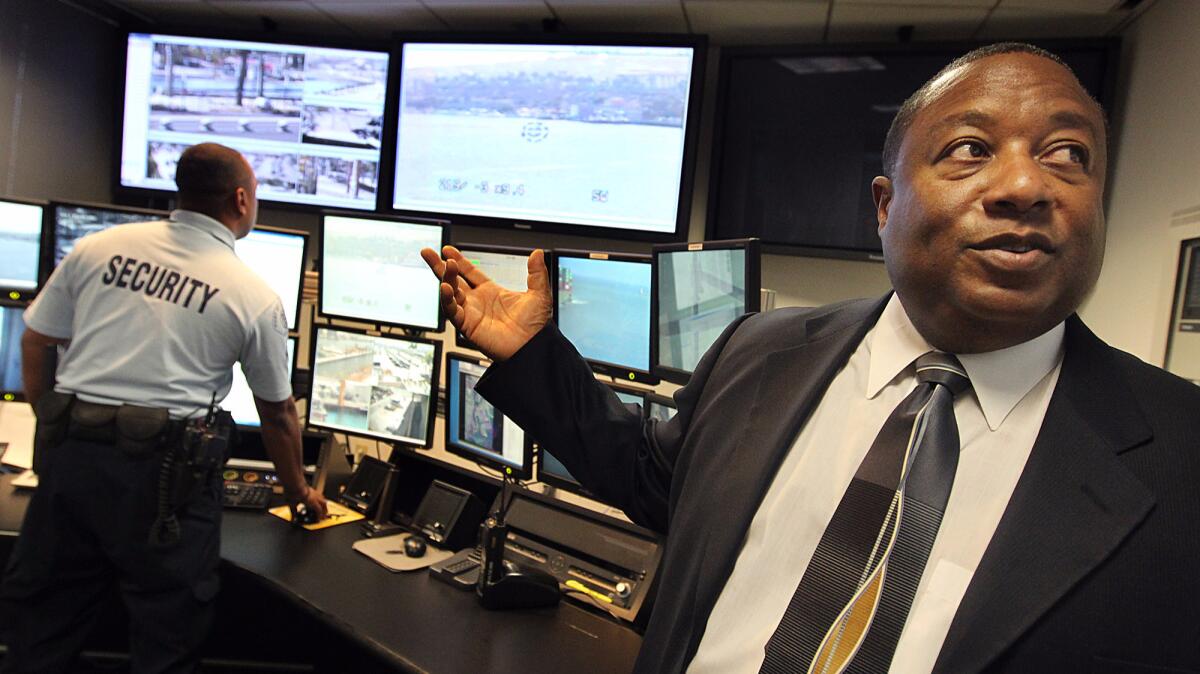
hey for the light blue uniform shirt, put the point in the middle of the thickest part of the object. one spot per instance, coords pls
(157, 313)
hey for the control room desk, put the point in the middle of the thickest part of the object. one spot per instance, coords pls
(407, 620)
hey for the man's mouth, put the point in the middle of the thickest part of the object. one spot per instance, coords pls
(1014, 252)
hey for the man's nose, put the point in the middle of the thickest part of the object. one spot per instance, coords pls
(1017, 186)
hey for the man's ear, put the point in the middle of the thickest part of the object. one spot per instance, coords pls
(881, 193)
(241, 200)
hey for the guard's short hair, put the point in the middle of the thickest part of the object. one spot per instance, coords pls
(925, 95)
(207, 174)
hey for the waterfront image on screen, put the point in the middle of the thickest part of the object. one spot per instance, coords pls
(372, 269)
(278, 258)
(12, 326)
(377, 386)
(604, 309)
(509, 270)
(699, 294)
(474, 424)
(579, 134)
(308, 119)
(240, 400)
(20, 244)
(72, 223)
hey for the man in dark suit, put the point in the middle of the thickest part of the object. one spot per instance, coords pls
(1068, 542)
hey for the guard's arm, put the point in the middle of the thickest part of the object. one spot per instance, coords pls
(281, 435)
(36, 363)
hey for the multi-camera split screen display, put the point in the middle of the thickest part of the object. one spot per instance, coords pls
(578, 134)
(308, 119)
(373, 385)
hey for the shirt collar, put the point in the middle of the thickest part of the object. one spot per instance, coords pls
(204, 223)
(1000, 378)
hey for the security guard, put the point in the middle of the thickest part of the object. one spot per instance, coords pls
(153, 317)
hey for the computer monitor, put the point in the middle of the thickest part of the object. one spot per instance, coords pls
(371, 270)
(21, 239)
(505, 265)
(240, 400)
(12, 326)
(550, 132)
(602, 304)
(73, 221)
(659, 407)
(307, 118)
(376, 386)
(250, 452)
(699, 289)
(477, 430)
(277, 255)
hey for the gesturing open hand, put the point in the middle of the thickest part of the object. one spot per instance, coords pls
(497, 320)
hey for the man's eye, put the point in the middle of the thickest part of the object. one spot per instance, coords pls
(1069, 154)
(968, 149)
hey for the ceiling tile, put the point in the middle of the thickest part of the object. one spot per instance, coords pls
(174, 11)
(1058, 6)
(988, 4)
(1025, 23)
(863, 23)
(658, 16)
(380, 19)
(497, 15)
(757, 21)
(290, 16)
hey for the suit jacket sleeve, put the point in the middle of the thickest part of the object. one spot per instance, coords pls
(550, 392)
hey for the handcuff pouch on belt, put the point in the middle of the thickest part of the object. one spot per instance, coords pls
(53, 411)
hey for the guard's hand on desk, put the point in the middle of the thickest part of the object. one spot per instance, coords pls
(497, 320)
(311, 499)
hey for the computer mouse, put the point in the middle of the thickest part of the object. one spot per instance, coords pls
(306, 516)
(414, 546)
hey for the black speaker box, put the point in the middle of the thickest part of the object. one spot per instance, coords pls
(449, 516)
(365, 485)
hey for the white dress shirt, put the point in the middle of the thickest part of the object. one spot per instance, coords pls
(998, 421)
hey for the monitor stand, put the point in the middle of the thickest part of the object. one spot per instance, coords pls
(381, 524)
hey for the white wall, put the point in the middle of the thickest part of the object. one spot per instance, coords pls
(1156, 172)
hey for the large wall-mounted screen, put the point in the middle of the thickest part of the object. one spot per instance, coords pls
(308, 119)
(586, 137)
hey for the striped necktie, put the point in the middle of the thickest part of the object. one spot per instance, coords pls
(853, 600)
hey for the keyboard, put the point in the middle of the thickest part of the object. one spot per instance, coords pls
(247, 495)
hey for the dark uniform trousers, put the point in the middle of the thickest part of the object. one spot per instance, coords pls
(86, 530)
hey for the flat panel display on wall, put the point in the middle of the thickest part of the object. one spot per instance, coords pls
(593, 137)
(308, 119)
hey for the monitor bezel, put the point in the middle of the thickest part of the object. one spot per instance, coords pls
(753, 282)
(433, 387)
(17, 396)
(291, 375)
(523, 472)
(44, 262)
(303, 265)
(1110, 45)
(691, 142)
(320, 265)
(51, 221)
(614, 370)
(387, 140)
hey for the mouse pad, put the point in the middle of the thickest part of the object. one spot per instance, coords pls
(338, 514)
(388, 552)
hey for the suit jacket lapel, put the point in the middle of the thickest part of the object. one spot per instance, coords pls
(1072, 507)
(791, 382)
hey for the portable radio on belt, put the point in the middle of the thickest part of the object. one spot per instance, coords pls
(188, 467)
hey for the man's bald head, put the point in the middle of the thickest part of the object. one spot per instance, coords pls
(936, 84)
(217, 181)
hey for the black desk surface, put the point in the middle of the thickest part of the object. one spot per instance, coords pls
(408, 619)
